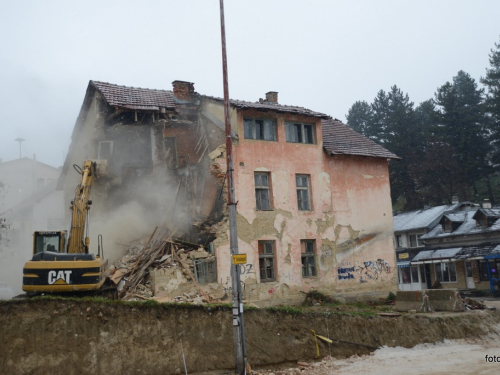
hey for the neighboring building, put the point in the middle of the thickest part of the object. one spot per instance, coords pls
(314, 208)
(21, 178)
(42, 210)
(459, 246)
(409, 227)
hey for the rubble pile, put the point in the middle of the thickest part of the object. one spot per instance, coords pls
(473, 304)
(161, 255)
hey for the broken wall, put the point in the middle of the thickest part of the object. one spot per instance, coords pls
(150, 181)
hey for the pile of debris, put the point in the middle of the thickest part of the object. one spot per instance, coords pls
(473, 304)
(162, 255)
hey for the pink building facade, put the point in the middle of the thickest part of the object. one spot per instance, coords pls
(314, 208)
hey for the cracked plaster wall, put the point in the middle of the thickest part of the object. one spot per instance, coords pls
(351, 220)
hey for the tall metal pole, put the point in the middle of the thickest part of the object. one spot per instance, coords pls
(20, 140)
(238, 323)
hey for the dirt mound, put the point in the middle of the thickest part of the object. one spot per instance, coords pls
(100, 337)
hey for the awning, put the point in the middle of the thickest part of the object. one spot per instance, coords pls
(404, 264)
(436, 256)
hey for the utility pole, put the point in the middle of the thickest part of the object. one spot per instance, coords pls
(20, 140)
(238, 324)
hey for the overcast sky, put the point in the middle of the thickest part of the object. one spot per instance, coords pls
(323, 55)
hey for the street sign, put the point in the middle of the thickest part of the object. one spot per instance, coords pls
(239, 258)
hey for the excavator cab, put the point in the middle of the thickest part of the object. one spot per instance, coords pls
(49, 241)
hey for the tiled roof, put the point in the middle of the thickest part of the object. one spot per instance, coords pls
(269, 106)
(339, 139)
(135, 98)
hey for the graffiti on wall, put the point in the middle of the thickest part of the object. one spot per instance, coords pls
(369, 270)
(345, 273)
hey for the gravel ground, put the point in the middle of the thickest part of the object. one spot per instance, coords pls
(449, 357)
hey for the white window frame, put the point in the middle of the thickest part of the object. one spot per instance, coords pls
(417, 236)
(441, 267)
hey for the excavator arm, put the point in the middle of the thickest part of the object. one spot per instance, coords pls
(78, 241)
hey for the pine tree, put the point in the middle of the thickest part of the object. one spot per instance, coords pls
(395, 120)
(463, 127)
(360, 119)
(492, 102)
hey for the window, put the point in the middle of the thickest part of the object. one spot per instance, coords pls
(414, 274)
(263, 129)
(266, 260)
(47, 241)
(446, 272)
(405, 275)
(422, 274)
(308, 258)
(483, 271)
(262, 191)
(303, 195)
(205, 271)
(171, 152)
(105, 150)
(299, 133)
(414, 240)
(399, 240)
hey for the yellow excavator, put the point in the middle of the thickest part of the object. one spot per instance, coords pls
(64, 266)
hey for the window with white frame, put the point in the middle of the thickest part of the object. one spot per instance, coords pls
(308, 257)
(414, 240)
(399, 240)
(262, 129)
(303, 192)
(262, 191)
(446, 272)
(266, 260)
(299, 132)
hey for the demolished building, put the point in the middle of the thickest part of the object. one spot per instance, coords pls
(314, 208)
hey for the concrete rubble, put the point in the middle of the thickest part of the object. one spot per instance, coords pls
(163, 269)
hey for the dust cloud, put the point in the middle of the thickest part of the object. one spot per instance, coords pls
(132, 210)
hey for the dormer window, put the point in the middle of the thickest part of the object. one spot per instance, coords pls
(450, 225)
(485, 218)
(447, 226)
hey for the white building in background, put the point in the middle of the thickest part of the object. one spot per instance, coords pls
(28, 201)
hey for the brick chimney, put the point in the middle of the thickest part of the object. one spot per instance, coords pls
(183, 90)
(486, 203)
(272, 96)
(454, 199)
